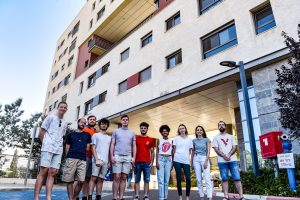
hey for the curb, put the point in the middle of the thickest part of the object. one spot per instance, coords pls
(255, 197)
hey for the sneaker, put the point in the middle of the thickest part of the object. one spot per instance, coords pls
(98, 197)
(136, 198)
(146, 198)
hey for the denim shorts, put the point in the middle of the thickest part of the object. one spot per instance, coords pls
(50, 160)
(139, 168)
(233, 166)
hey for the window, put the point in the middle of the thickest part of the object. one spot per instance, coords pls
(205, 5)
(54, 75)
(86, 63)
(75, 29)
(174, 59)
(63, 67)
(105, 68)
(122, 86)
(102, 97)
(100, 13)
(60, 45)
(156, 2)
(55, 104)
(73, 45)
(92, 80)
(146, 39)
(125, 55)
(78, 112)
(48, 94)
(64, 98)
(50, 108)
(173, 21)
(88, 107)
(94, 6)
(219, 41)
(53, 90)
(67, 79)
(81, 87)
(145, 74)
(91, 23)
(264, 19)
(70, 61)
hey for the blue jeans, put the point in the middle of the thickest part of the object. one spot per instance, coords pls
(187, 172)
(163, 176)
(233, 166)
(139, 168)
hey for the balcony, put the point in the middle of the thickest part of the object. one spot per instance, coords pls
(98, 45)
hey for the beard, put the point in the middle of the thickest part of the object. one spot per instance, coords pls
(143, 133)
(221, 129)
(80, 127)
(90, 125)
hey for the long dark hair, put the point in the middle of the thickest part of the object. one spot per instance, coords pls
(186, 131)
(203, 134)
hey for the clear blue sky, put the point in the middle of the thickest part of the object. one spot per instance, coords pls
(29, 30)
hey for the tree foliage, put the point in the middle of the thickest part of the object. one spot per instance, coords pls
(288, 90)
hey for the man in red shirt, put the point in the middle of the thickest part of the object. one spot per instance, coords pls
(90, 129)
(144, 160)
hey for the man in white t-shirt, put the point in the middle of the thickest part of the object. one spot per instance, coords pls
(225, 146)
(51, 134)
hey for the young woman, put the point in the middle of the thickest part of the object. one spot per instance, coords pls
(182, 147)
(200, 159)
(164, 162)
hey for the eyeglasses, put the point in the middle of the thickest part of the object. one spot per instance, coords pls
(59, 125)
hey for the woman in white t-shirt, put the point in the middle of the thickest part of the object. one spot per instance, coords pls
(182, 146)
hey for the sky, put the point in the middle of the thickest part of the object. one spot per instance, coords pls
(29, 30)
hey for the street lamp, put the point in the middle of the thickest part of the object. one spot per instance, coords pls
(243, 80)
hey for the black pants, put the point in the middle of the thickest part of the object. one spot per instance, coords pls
(187, 172)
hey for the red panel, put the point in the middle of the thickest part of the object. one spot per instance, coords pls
(133, 80)
(93, 57)
(270, 144)
(83, 55)
(163, 4)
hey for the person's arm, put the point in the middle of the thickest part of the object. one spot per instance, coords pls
(67, 148)
(192, 157)
(232, 151)
(133, 151)
(207, 155)
(42, 133)
(220, 153)
(112, 151)
(152, 156)
(156, 156)
(94, 152)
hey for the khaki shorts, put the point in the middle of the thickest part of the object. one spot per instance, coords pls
(99, 171)
(122, 165)
(74, 170)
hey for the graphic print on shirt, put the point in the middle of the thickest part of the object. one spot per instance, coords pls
(225, 142)
(166, 146)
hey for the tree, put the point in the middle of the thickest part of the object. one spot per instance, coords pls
(288, 90)
(14, 164)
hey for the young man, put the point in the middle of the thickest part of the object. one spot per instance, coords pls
(51, 134)
(76, 145)
(225, 146)
(122, 153)
(90, 128)
(144, 160)
(100, 148)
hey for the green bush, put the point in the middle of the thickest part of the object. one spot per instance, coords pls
(265, 184)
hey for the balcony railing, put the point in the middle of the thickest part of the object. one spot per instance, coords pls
(99, 45)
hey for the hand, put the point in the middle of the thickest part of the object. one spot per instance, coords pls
(150, 165)
(226, 157)
(157, 166)
(205, 164)
(112, 159)
(133, 162)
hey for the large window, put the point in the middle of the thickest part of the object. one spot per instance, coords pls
(88, 107)
(125, 55)
(105, 68)
(92, 80)
(70, 61)
(73, 45)
(64, 98)
(173, 21)
(67, 79)
(205, 5)
(145, 74)
(264, 19)
(146, 39)
(81, 87)
(174, 59)
(75, 29)
(78, 112)
(100, 13)
(219, 41)
(122, 86)
(102, 97)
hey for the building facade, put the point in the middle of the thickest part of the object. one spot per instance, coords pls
(158, 61)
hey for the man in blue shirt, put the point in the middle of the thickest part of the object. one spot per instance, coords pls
(77, 143)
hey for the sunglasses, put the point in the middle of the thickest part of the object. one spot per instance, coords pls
(59, 125)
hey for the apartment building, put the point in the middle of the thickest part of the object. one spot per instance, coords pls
(158, 61)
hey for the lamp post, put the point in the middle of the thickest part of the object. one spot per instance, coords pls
(252, 142)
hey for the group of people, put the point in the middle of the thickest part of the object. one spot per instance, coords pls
(89, 153)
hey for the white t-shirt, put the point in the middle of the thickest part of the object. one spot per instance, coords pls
(165, 147)
(225, 142)
(55, 130)
(183, 146)
(102, 142)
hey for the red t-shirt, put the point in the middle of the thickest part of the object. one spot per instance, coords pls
(90, 131)
(143, 147)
